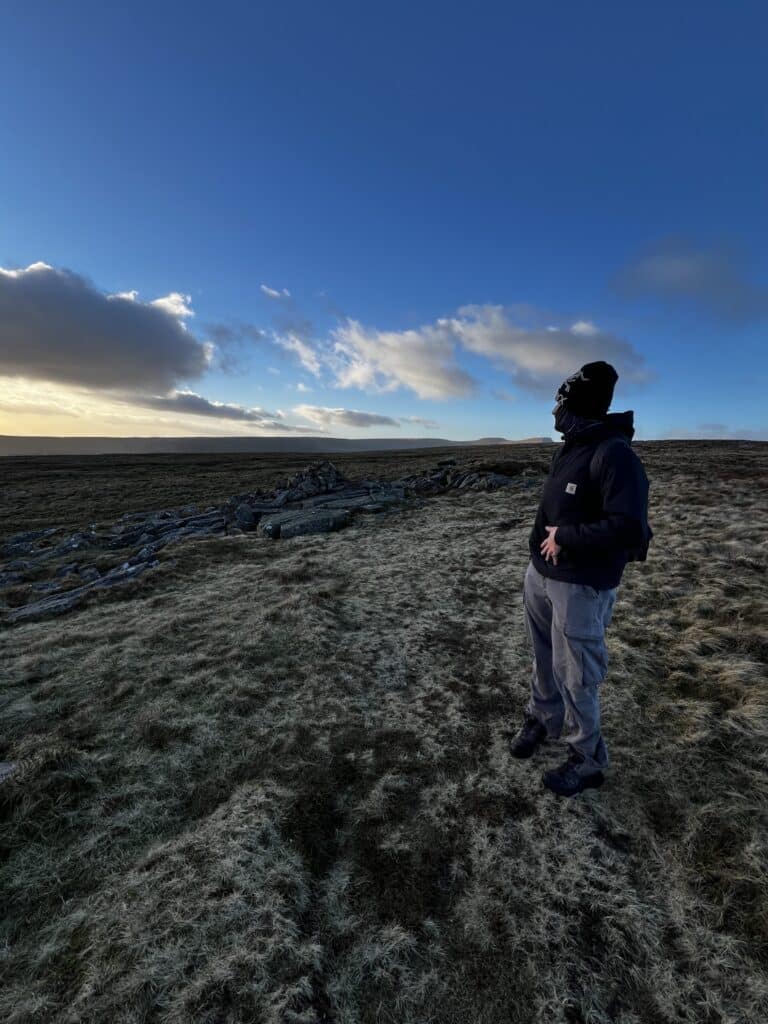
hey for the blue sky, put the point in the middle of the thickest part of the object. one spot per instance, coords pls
(381, 220)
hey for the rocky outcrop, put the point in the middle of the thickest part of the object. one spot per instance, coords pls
(481, 476)
(43, 574)
(58, 604)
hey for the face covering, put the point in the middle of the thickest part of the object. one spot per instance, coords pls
(565, 421)
(568, 423)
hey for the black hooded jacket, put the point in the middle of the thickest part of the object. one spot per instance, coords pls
(596, 494)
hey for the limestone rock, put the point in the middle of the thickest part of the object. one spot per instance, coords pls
(245, 516)
(58, 604)
(318, 498)
(318, 478)
(316, 522)
(67, 570)
(11, 579)
(506, 467)
(292, 524)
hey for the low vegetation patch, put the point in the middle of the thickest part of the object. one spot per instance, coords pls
(273, 783)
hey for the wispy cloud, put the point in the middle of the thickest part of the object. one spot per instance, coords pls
(39, 403)
(274, 293)
(422, 360)
(326, 417)
(539, 358)
(306, 354)
(502, 395)
(717, 280)
(189, 402)
(233, 344)
(235, 332)
(421, 420)
(425, 360)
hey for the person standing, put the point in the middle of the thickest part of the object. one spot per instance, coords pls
(592, 520)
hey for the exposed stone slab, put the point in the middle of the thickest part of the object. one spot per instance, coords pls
(345, 495)
(317, 522)
(11, 579)
(57, 604)
(292, 524)
(245, 516)
(270, 525)
(24, 540)
(348, 503)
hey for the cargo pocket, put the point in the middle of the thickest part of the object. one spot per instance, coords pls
(594, 662)
(582, 619)
(584, 628)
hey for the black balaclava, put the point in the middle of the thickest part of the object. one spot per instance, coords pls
(584, 396)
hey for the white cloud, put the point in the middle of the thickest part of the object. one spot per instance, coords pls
(538, 359)
(306, 354)
(301, 386)
(273, 293)
(272, 369)
(175, 304)
(421, 420)
(584, 327)
(33, 268)
(325, 417)
(423, 360)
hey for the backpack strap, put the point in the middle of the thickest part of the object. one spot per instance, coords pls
(595, 463)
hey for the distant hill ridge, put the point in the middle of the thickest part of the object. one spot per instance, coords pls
(10, 445)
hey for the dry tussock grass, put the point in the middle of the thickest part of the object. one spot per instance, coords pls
(271, 784)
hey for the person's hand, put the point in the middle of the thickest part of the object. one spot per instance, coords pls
(549, 548)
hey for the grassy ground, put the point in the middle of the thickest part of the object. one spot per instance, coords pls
(271, 783)
(72, 491)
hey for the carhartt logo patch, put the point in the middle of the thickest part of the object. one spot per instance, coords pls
(570, 488)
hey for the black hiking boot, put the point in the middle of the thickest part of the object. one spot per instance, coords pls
(566, 781)
(528, 739)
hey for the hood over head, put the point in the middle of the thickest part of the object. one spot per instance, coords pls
(613, 424)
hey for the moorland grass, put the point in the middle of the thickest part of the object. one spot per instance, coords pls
(271, 782)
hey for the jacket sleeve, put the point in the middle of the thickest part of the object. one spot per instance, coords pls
(624, 489)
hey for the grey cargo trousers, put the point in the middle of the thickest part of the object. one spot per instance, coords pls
(566, 623)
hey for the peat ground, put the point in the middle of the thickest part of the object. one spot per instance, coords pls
(272, 783)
